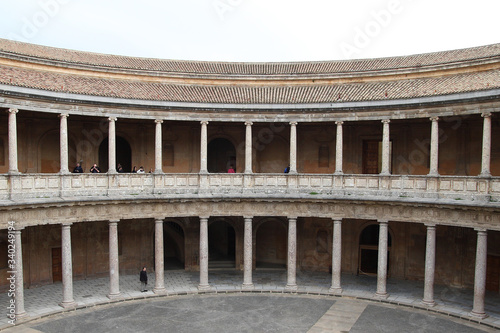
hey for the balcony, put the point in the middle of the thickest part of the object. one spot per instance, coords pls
(16, 189)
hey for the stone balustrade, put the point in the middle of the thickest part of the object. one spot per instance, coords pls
(50, 186)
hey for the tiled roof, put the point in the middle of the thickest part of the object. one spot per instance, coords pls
(245, 94)
(109, 62)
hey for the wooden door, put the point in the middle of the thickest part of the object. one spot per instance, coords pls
(493, 273)
(56, 264)
(370, 157)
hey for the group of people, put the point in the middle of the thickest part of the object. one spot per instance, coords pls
(95, 169)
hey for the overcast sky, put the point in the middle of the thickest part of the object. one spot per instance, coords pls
(253, 30)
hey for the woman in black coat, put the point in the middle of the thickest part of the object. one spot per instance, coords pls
(143, 277)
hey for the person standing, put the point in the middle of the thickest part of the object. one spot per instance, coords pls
(143, 277)
(78, 168)
(95, 169)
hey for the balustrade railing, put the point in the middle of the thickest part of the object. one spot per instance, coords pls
(395, 187)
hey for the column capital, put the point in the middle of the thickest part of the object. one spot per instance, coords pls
(159, 121)
(383, 221)
(159, 219)
(63, 115)
(292, 218)
(481, 230)
(204, 122)
(204, 217)
(248, 217)
(12, 110)
(113, 221)
(66, 224)
(337, 220)
(339, 123)
(293, 123)
(385, 121)
(248, 123)
(112, 119)
(486, 114)
(430, 225)
(436, 118)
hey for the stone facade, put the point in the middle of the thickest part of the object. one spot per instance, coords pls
(415, 173)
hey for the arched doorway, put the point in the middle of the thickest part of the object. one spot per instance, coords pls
(221, 245)
(368, 250)
(221, 155)
(123, 154)
(173, 246)
(271, 245)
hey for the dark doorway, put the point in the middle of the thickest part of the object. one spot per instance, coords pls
(271, 249)
(221, 245)
(368, 250)
(56, 264)
(493, 273)
(123, 154)
(173, 250)
(371, 157)
(221, 155)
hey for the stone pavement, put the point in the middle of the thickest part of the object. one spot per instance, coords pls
(357, 297)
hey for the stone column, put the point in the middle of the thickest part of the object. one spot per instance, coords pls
(158, 147)
(203, 148)
(67, 267)
(203, 254)
(386, 156)
(382, 261)
(19, 282)
(247, 255)
(480, 275)
(159, 260)
(486, 154)
(336, 257)
(13, 141)
(63, 142)
(430, 259)
(339, 149)
(293, 147)
(291, 283)
(114, 269)
(112, 145)
(248, 147)
(434, 147)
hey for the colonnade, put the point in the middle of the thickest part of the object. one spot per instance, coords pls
(434, 145)
(247, 283)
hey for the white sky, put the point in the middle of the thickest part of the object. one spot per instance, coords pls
(253, 30)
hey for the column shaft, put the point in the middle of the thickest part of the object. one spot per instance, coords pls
(203, 147)
(114, 272)
(158, 147)
(385, 148)
(480, 275)
(247, 255)
(430, 259)
(203, 254)
(13, 141)
(291, 284)
(382, 261)
(19, 283)
(248, 147)
(339, 148)
(159, 258)
(63, 142)
(67, 267)
(433, 171)
(486, 153)
(112, 146)
(293, 147)
(336, 257)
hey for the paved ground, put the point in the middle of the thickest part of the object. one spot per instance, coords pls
(269, 308)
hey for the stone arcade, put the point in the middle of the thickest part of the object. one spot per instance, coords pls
(394, 169)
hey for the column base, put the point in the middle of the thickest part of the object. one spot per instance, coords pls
(68, 305)
(335, 291)
(381, 295)
(204, 287)
(247, 286)
(20, 315)
(114, 296)
(160, 291)
(430, 303)
(485, 175)
(481, 315)
(433, 174)
(291, 287)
